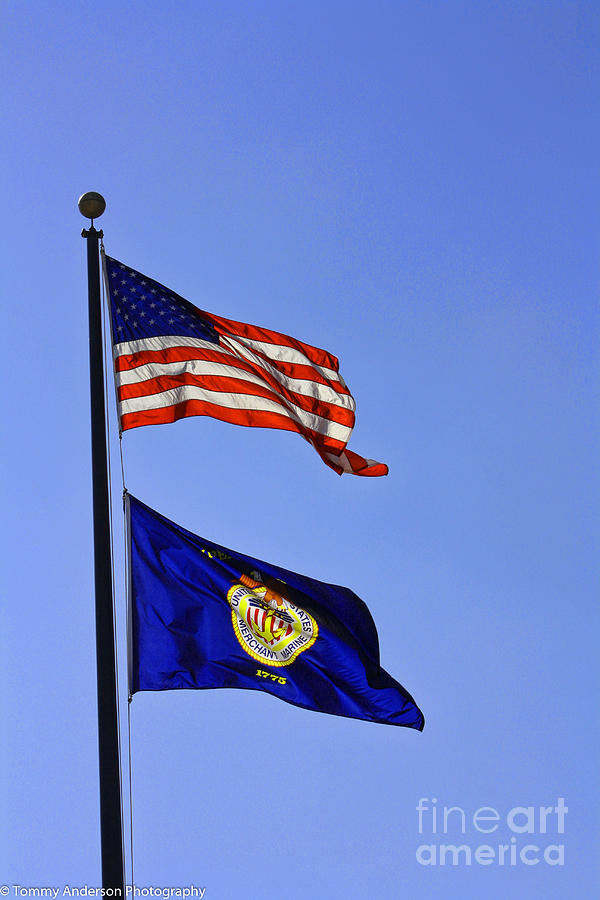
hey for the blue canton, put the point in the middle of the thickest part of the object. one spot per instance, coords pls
(143, 308)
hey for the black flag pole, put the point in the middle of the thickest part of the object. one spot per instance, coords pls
(92, 205)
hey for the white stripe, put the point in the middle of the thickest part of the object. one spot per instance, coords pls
(283, 353)
(162, 342)
(200, 367)
(273, 351)
(236, 401)
(342, 461)
(299, 385)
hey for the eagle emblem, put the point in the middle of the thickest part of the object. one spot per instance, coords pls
(269, 628)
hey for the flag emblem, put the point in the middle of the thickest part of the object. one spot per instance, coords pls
(268, 627)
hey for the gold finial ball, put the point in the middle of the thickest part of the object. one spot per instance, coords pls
(91, 205)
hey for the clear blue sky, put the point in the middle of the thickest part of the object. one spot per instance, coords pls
(413, 186)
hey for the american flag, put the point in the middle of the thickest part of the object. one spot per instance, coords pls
(173, 360)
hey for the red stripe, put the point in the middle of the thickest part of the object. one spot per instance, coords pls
(223, 384)
(128, 361)
(306, 401)
(296, 370)
(251, 418)
(243, 330)
(218, 383)
(359, 465)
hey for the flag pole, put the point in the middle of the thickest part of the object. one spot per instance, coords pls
(92, 205)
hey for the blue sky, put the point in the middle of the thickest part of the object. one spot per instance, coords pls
(413, 187)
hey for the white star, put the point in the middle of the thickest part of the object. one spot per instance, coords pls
(124, 282)
(118, 309)
(143, 314)
(119, 328)
(171, 321)
(153, 291)
(135, 324)
(152, 305)
(162, 313)
(126, 316)
(151, 322)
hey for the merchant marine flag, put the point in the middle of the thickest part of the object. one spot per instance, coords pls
(173, 360)
(204, 616)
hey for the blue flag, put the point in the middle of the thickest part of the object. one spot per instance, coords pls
(204, 616)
